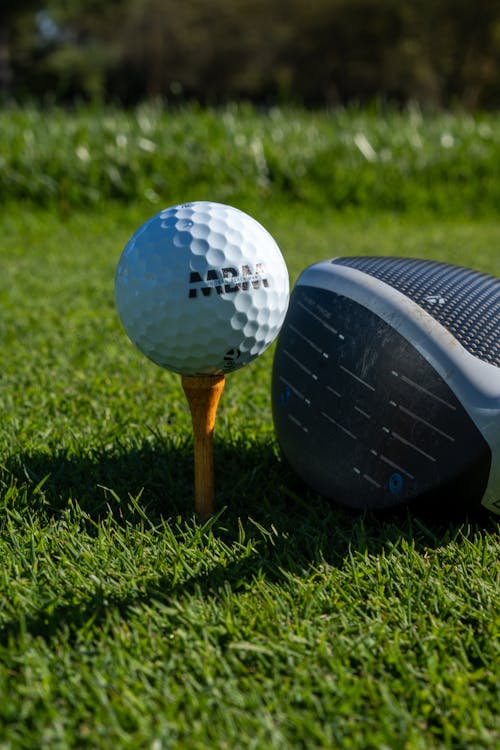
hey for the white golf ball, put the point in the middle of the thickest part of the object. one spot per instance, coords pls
(201, 288)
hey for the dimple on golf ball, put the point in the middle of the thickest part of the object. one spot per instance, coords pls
(201, 288)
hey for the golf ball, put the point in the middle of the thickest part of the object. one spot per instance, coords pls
(201, 288)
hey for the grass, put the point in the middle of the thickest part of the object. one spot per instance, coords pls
(284, 622)
(372, 159)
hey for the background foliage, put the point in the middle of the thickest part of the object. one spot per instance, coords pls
(376, 160)
(437, 52)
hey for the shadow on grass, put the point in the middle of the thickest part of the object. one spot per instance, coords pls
(102, 481)
(293, 529)
(155, 477)
(158, 475)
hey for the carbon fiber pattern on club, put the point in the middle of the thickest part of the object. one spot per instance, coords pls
(465, 302)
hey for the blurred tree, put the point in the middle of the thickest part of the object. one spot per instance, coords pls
(438, 52)
(14, 17)
(336, 51)
(87, 47)
(450, 51)
(212, 50)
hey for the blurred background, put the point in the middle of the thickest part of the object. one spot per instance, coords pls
(317, 53)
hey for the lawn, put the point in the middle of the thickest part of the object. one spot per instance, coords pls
(283, 622)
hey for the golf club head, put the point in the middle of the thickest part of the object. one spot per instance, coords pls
(386, 383)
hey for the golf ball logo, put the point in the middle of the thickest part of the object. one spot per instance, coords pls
(231, 358)
(227, 280)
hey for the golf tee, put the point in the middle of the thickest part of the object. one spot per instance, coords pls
(203, 394)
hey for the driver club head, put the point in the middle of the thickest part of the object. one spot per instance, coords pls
(386, 383)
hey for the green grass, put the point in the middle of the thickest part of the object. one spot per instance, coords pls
(374, 159)
(284, 622)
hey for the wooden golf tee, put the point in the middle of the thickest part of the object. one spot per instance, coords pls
(203, 394)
